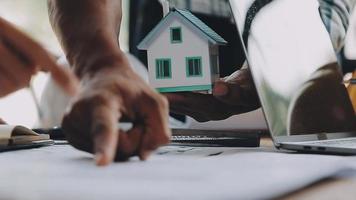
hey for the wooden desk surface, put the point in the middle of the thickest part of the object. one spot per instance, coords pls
(327, 189)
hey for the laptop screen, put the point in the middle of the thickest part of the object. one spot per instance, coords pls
(293, 64)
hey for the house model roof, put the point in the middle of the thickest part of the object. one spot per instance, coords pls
(186, 16)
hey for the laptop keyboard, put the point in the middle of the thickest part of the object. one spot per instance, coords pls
(216, 141)
(343, 143)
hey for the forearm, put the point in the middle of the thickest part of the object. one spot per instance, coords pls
(336, 16)
(88, 32)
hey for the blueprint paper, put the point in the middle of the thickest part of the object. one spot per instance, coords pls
(174, 172)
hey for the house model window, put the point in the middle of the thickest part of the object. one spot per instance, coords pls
(182, 54)
(194, 67)
(176, 35)
(163, 68)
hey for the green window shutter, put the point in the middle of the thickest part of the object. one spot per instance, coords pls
(176, 35)
(163, 68)
(194, 67)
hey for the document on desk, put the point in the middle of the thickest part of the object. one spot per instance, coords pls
(61, 172)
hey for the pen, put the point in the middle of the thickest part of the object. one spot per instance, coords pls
(55, 133)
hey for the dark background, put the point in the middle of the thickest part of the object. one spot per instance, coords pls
(146, 14)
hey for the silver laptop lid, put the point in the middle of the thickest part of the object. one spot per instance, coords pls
(294, 68)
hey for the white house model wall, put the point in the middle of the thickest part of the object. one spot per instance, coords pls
(191, 46)
(182, 54)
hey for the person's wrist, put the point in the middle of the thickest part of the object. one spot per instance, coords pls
(110, 62)
(113, 68)
(90, 53)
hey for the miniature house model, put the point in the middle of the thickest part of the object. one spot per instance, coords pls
(183, 53)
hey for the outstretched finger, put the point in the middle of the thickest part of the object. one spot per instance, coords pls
(15, 70)
(35, 55)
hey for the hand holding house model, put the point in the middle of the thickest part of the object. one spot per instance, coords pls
(183, 53)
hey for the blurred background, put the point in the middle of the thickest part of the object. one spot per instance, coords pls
(32, 18)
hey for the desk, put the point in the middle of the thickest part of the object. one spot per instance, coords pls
(328, 189)
(341, 188)
(60, 172)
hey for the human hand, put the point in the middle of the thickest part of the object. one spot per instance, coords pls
(232, 95)
(107, 97)
(21, 58)
(2, 121)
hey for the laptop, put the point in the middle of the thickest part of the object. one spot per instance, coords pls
(295, 71)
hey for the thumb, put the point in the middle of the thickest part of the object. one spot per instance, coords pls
(63, 76)
(229, 93)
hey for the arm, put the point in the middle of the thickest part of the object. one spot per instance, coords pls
(88, 31)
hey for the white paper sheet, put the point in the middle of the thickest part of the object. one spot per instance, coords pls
(6, 131)
(60, 172)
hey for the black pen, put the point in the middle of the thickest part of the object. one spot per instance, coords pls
(55, 133)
